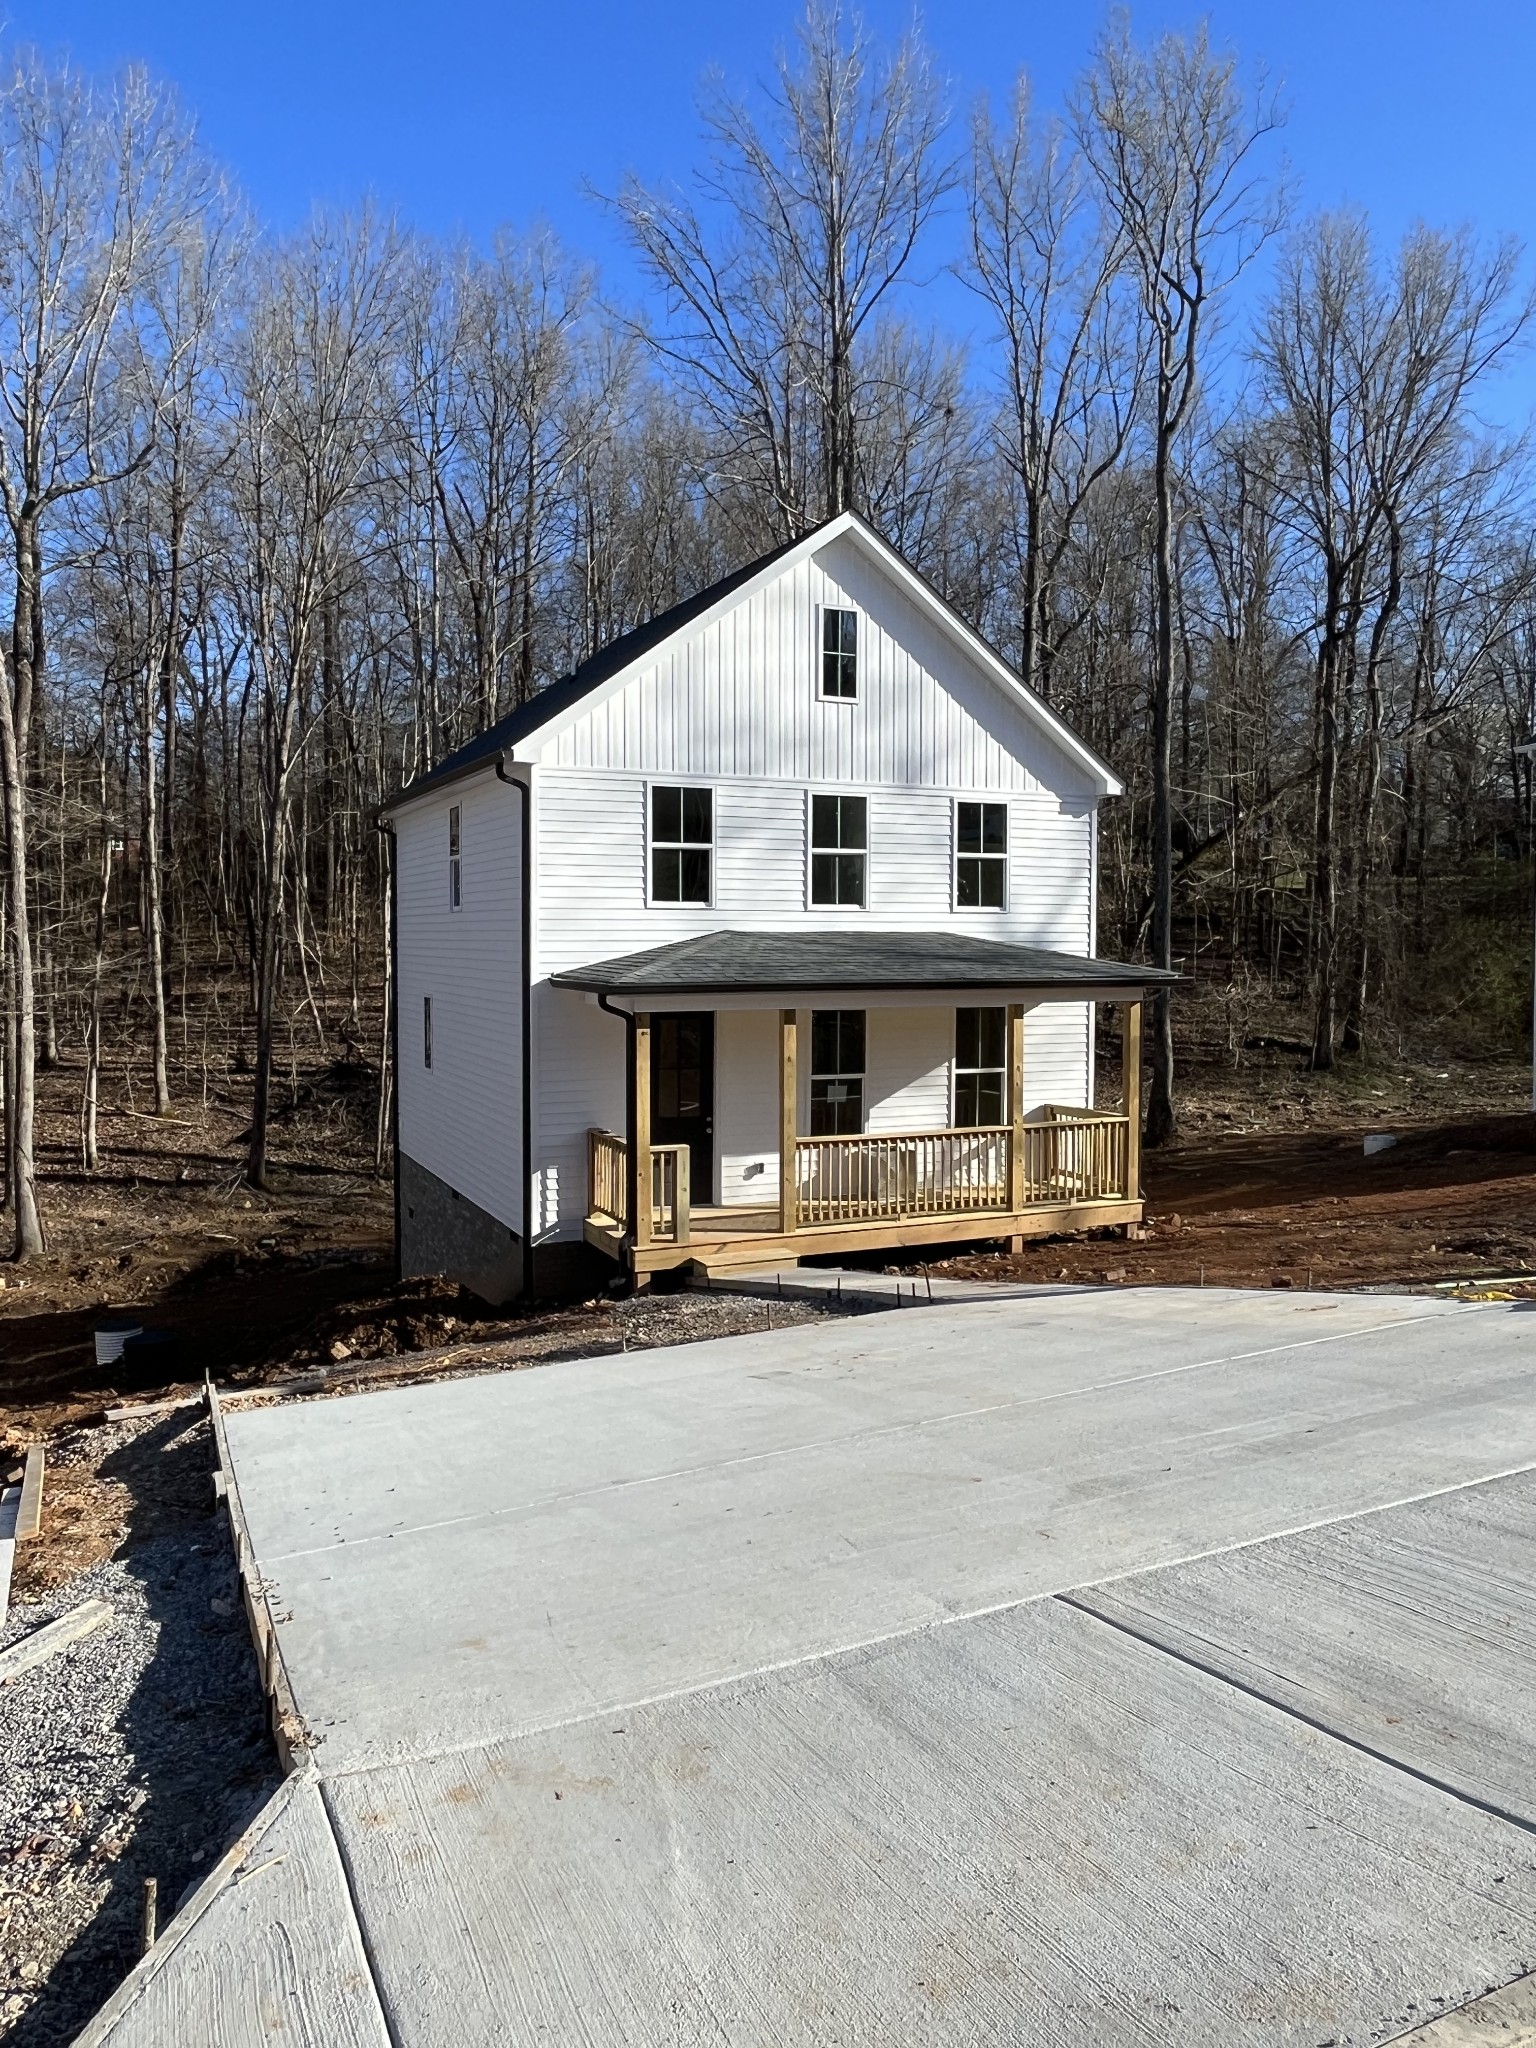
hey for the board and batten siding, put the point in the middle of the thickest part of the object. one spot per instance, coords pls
(461, 1118)
(737, 696)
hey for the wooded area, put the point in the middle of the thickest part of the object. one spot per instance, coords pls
(288, 519)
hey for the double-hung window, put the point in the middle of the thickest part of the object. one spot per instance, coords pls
(839, 653)
(455, 865)
(981, 856)
(837, 1073)
(981, 1067)
(682, 844)
(839, 849)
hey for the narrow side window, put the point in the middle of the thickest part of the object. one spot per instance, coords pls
(981, 1068)
(839, 849)
(455, 865)
(981, 856)
(839, 652)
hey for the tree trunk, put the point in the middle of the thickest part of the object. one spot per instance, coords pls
(1161, 1121)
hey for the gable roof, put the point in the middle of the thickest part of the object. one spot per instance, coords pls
(748, 962)
(629, 651)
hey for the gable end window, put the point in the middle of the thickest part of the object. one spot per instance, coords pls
(682, 844)
(839, 653)
(839, 849)
(981, 856)
(981, 1067)
(837, 1073)
(455, 866)
(426, 1031)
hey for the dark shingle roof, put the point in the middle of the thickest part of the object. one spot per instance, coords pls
(595, 670)
(722, 962)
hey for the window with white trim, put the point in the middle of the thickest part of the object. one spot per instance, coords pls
(682, 844)
(837, 1073)
(981, 856)
(981, 1067)
(839, 653)
(426, 1031)
(839, 849)
(455, 868)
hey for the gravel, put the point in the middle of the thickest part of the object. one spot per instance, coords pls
(139, 1751)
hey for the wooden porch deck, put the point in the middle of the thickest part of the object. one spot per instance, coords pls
(1074, 1169)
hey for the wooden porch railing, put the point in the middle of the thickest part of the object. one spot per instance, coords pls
(1079, 1156)
(1075, 1156)
(607, 1176)
(670, 1210)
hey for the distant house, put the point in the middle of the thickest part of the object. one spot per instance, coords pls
(768, 932)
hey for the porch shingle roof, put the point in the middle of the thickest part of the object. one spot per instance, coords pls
(745, 962)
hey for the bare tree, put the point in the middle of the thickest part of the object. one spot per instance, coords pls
(1053, 261)
(809, 220)
(1174, 143)
(93, 189)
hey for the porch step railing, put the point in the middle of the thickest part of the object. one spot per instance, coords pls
(671, 1206)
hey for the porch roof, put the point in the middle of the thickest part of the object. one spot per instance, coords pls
(746, 962)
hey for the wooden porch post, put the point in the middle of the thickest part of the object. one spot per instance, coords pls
(1131, 1057)
(788, 1119)
(1016, 1187)
(640, 1136)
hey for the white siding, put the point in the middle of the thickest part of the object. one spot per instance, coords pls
(747, 1106)
(737, 697)
(461, 1119)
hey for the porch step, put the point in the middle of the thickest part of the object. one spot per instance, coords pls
(848, 1284)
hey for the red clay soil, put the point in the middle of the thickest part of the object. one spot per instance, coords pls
(1454, 1200)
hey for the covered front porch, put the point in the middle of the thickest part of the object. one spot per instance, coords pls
(1000, 1163)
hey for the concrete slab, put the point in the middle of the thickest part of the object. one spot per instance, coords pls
(1025, 1828)
(714, 1696)
(269, 1951)
(473, 1559)
(1411, 1631)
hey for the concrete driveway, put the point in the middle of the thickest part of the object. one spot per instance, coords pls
(1100, 1668)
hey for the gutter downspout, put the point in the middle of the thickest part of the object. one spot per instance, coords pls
(525, 794)
(632, 1156)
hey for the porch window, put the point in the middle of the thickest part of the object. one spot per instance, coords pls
(839, 848)
(455, 871)
(837, 1073)
(839, 653)
(981, 856)
(981, 1067)
(682, 842)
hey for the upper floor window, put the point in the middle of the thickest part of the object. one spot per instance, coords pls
(837, 1073)
(981, 1067)
(455, 865)
(839, 652)
(839, 849)
(981, 856)
(682, 843)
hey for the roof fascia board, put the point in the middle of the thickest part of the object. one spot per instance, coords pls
(405, 797)
(1029, 995)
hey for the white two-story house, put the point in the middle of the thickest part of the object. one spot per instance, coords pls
(767, 933)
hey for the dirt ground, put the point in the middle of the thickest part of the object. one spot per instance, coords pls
(1268, 1184)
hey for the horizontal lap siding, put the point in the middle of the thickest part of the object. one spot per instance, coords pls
(461, 1119)
(747, 1106)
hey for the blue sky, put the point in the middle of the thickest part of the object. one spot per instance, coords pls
(466, 114)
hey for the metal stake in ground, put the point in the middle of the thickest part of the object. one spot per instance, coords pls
(151, 1909)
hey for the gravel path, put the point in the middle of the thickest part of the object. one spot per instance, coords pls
(139, 1751)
